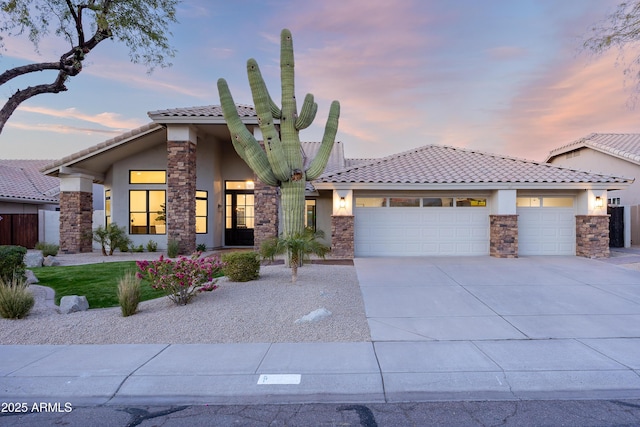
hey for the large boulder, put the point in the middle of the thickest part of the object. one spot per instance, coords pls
(50, 261)
(33, 259)
(73, 303)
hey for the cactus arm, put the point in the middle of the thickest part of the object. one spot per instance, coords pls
(272, 144)
(276, 112)
(243, 141)
(331, 128)
(307, 113)
(288, 131)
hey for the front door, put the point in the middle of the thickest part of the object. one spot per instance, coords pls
(239, 217)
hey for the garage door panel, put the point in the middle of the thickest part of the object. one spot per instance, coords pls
(421, 231)
(546, 231)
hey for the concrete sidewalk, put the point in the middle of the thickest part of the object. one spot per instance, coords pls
(472, 328)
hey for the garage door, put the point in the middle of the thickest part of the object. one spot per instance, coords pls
(422, 229)
(546, 226)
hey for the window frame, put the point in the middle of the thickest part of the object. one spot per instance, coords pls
(132, 171)
(206, 211)
(148, 213)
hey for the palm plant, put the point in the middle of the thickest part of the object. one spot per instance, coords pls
(297, 246)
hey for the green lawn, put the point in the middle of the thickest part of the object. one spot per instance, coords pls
(98, 282)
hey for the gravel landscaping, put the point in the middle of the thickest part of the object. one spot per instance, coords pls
(264, 310)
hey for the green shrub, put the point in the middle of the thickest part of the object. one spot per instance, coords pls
(47, 248)
(241, 266)
(129, 294)
(201, 247)
(152, 246)
(15, 298)
(138, 248)
(173, 248)
(12, 262)
(112, 237)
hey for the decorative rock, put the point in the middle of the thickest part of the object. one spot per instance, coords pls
(73, 303)
(31, 277)
(314, 316)
(50, 261)
(33, 259)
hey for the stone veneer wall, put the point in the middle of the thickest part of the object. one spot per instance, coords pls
(76, 220)
(503, 240)
(181, 194)
(592, 236)
(266, 203)
(342, 237)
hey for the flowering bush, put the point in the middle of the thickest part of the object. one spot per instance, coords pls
(183, 278)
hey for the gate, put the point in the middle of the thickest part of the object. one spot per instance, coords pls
(19, 230)
(616, 226)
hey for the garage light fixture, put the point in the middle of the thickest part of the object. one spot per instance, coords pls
(343, 202)
(598, 202)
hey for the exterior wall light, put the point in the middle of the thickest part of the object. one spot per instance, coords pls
(598, 202)
(343, 202)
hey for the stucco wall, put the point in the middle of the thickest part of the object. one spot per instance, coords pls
(595, 161)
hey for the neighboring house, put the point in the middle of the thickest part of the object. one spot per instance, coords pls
(180, 178)
(608, 153)
(28, 201)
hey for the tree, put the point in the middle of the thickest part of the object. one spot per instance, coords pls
(280, 163)
(142, 25)
(620, 29)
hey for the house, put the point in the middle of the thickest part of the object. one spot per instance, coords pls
(26, 198)
(609, 153)
(180, 178)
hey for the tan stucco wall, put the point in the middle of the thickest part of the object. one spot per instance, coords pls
(595, 161)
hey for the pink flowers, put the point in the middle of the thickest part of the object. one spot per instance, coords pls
(183, 278)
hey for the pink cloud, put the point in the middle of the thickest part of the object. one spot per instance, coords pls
(107, 119)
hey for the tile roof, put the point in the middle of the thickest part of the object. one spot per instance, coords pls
(438, 164)
(203, 112)
(623, 145)
(21, 180)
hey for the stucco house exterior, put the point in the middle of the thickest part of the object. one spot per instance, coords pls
(608, 153)
(26, 197)
(180, 178)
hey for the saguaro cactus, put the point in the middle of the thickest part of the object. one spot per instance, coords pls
(280, 163)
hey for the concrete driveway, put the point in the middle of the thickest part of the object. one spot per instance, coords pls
(543, 327)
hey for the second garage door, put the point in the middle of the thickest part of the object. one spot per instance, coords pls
(546, 226)
(428, 226)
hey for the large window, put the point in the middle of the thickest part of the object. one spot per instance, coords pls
(201, 212)
(147, 211)
(310, 214)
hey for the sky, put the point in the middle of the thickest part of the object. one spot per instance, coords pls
(498, 76)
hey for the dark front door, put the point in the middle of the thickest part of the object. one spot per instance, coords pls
(239, 221)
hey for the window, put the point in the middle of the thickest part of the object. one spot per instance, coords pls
(404, 202)
(310, 214)
(471, 202)
(147, 177)
(107, 207)
(545, 202)
(528, 202)
(371, 202)
(201, 212)
(615, 201)
(431, 202)
(147, 211)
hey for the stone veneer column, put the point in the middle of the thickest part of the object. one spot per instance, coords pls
(266, 204)
(181, 194)
(342, 236)
(592, 236)
(76, 221)
(503, 240)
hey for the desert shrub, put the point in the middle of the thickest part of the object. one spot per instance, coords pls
(129, 294)
(47, 248)
(241, 266)
(201, 247)
(183, 278)
(112, 237)
(12, 262)
(173, 248)
(137, 249)
(15, 298)
(152, 246)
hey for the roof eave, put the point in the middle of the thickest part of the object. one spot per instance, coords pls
(472, 186)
